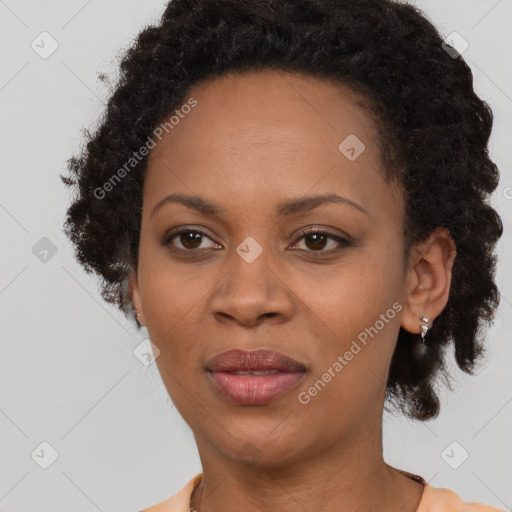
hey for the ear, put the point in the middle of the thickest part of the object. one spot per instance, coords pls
(428, 280)
(133, 284)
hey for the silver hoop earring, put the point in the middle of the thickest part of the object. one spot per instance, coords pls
(424, 327)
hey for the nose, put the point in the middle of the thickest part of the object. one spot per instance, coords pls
(251, 293)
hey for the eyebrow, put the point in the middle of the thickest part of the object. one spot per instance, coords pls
(286, 208)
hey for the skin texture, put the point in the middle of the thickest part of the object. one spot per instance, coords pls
(253, 141)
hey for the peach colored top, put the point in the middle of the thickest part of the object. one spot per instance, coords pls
(434, 499)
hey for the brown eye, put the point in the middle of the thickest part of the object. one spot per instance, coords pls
(190, 239)
(316, 240)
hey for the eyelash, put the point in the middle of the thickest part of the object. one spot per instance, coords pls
(343, 242)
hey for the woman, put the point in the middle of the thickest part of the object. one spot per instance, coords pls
(291, 197)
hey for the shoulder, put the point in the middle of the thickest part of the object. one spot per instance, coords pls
(180, 502)
(437, 499)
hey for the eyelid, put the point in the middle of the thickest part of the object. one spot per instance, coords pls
(317, 228)
(173, 233)
(344, 240)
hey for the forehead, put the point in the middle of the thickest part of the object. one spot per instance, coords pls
(268, 134)
(271, 107)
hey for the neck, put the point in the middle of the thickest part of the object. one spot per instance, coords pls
(350, 475)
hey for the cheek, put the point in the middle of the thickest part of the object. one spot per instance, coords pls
(170, 305)
(355, 314)
(169, 291)
(350, 296)
(171, 308)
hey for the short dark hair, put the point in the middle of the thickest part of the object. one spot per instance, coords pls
(433, 128)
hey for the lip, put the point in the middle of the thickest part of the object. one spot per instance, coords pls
(248, 388)
(262, 359)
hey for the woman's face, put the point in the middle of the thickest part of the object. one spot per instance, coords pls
(253, 280)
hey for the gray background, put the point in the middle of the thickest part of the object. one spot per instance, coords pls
(68, 375)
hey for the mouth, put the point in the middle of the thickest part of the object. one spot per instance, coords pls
(255, 377)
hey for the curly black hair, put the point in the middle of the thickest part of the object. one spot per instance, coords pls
(433, 128)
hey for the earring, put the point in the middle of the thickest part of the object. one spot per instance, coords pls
(424, 327)
(138, 321)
